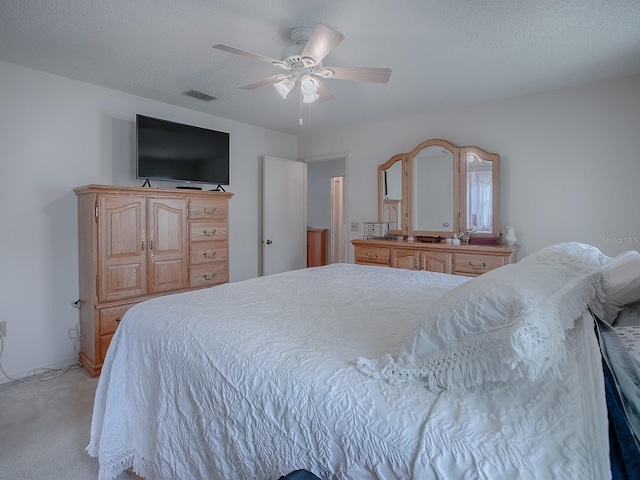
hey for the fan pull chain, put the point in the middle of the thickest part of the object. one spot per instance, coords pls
(300, 107)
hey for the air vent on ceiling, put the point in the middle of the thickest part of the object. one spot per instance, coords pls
(205, 97)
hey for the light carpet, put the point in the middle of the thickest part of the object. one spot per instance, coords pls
(44, 429)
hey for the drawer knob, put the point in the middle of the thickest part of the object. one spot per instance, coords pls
(209, 233)
(117, 319)
(209, 276)
(482, 266)
(208, 211)
(209, 254)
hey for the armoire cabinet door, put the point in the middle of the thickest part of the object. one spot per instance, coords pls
(122, 256)
(167, 239)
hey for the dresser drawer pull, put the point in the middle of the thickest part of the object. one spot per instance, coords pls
(209, 276)
(209, 233)
(117, 319)
(369, 256)
(482, 266)
(208, 211)
(209, 254)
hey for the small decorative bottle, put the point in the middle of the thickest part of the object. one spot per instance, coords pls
(510, 236)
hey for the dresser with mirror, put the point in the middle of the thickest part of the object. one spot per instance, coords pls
(430, 195)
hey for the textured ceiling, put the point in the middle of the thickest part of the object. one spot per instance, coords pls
(443, 53)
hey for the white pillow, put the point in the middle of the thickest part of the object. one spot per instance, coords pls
(505, 324)
(621, 283)
(629, 316)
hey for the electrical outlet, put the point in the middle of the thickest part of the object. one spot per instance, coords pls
(355, 226)
(3, 329)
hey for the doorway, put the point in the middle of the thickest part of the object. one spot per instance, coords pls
(337, 232)
(326, 202)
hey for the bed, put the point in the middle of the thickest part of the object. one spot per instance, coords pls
(361, 372)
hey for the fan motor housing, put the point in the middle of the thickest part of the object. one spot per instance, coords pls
(292, 54)
(300, 35)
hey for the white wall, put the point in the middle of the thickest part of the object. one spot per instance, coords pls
(57, 134)
(570, 161)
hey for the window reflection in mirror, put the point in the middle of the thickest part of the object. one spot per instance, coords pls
(479, 194)
(433, 169)
(392, 195)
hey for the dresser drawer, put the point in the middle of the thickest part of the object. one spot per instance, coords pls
(373, 254)
(207, 252)
(471, 264)
(207, 231)
(208, 209)
(208, 275)
(110, 317)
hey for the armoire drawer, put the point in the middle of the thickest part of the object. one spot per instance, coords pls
(208, 209)
(207, 252)
(110, 317)
(208, 275)
(206, 231)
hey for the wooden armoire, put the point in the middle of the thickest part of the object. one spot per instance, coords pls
(136, 243)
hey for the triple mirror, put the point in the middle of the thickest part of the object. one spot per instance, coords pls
(440, 189)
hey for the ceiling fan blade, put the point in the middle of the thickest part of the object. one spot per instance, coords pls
(322, 41)
(245, 53)
(264, 81)
(324, 95)
(361, 74)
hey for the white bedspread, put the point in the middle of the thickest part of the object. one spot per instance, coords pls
(257, 379)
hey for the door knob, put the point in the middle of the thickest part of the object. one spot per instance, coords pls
(269, 242)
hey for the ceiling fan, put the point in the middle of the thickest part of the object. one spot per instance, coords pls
(302, 63)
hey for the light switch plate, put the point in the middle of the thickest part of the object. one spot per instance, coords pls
(355, 227)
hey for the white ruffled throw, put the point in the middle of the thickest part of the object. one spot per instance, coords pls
(506, 324)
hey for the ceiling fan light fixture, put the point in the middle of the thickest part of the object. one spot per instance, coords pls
(284, 86)
(309, 85)
(310, 97)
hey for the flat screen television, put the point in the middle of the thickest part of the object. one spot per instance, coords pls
(180, 153)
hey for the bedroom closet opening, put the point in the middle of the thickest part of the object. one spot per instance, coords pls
(326, 207)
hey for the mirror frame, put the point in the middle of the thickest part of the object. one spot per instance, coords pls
(494, 158)
(459, 188)
(436, 142)
(402, 158)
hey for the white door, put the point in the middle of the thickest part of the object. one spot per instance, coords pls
(284, 232)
